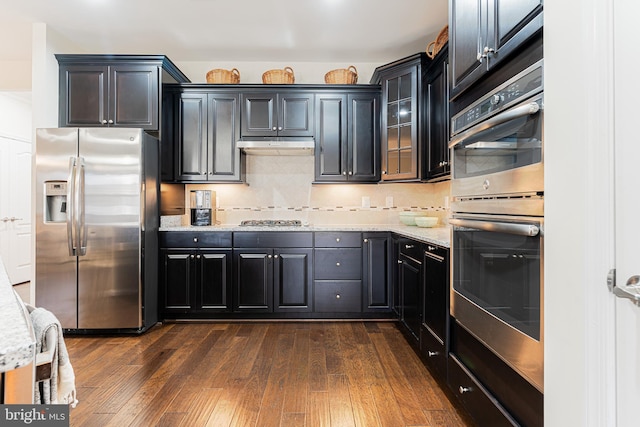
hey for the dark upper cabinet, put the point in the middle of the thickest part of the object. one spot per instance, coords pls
(437, 105)
(205, 125)
(281, 114)
(113, 90)
(403, 118)
(347, 137)
(482, 33)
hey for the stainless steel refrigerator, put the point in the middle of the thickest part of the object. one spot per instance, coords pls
(96, 227)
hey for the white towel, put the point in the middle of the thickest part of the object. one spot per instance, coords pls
(61, 388)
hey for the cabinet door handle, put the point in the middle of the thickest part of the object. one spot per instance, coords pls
(337, 296)
(269, 256)
(365, 240)
(193, 256)
(408, 246)
(350, 173)
(195, 240)
(337, 239)
(274, 128)
(399, 261)
(275, 256)
(432, 353)
(110, 121)
(280, 128)
(464, 390)
(337, 264)
(104, 122)
(198, 256)
(344, 173)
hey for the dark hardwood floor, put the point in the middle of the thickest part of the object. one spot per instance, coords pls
(256, 374)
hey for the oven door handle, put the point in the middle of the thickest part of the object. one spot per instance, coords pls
(512, 114)
(530, 230)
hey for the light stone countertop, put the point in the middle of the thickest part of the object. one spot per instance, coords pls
(17, 342)
(436, 235)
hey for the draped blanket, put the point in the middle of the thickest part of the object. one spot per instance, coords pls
(61, 387)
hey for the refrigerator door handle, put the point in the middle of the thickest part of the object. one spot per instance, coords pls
(71, 207)
(82, 226)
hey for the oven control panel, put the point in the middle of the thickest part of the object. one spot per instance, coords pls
(525, 84)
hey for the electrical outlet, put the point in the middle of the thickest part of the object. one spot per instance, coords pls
(366, 202)
(389, 201)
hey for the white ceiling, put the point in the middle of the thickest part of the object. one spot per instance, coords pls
(375, 31)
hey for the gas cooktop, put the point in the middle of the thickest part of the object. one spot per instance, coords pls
(272, 222)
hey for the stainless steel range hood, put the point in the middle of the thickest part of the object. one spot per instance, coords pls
(277, 146)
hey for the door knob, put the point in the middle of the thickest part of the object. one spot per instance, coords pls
(630, 290)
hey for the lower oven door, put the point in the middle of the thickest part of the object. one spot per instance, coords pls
(497, 287)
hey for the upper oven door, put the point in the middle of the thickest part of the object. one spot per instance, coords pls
(502, 155)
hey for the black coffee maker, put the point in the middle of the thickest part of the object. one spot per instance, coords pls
(200, 207)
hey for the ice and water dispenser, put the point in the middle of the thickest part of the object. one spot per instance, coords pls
(200, 207)
(55, 201)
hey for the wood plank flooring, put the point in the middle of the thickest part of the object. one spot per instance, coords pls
(257, 374)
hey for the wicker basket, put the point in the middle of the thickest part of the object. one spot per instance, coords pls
(347, 76)
(219, 75)
(434, 47)
(279, 76)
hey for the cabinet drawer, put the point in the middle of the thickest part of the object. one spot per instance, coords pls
(482, 406)
(195, 239)
(411, 248)
(338, 239)
(335, 263)
(434, 351)
(337, 296)
(273, 239)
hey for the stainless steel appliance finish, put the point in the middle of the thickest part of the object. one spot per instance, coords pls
(97, 269)
(497, 142)
(200, 201)
(497, 221)
(497, 287)
(277, 146)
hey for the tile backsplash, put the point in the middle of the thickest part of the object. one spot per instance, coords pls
(280, 187)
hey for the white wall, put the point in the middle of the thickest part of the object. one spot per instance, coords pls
(15, 110)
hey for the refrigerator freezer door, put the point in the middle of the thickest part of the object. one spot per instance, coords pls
(109, 286)
(55, 269)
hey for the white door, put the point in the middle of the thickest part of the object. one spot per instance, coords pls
(15, 209)
(627, 208)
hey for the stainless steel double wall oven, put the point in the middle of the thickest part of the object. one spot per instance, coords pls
(498, 218)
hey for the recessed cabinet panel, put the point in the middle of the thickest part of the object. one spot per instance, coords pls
(223, 125)
(215, 273)
(84, 102)
(192, 129)
(292, 279)
(134, 91)
(331, 137)
(254, 284)
(177, 275)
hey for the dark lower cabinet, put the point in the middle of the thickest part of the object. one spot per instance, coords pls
(492, 392)
(273, 272)
(273, 280)
(195, 280)
(410, 282)
(253, 287)
(280, 274)
(376, 276)
(337, 259)
(434, 328)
